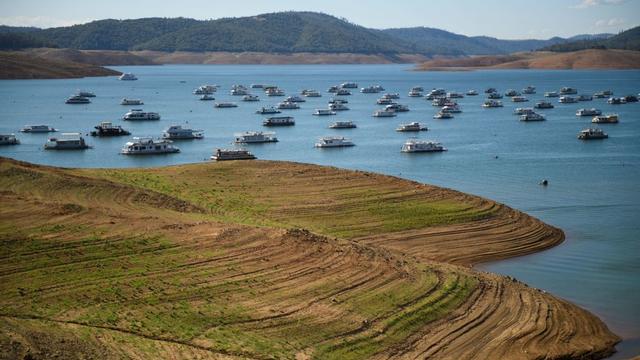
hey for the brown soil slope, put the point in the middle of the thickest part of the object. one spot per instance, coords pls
(23, 65)
(584, 59)
(205, 261)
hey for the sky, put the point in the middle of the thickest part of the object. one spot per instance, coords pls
(512, 19)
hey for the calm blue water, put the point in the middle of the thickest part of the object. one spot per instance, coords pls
(594, 191)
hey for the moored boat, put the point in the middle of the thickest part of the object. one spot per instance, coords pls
(384, 113)
(255, 137)
(225, 105)
(544, 105)
(37, 129)
(66, 141)
(126, 101)
(250, 97)
(178, 132)
(532, 116)
(106, 128)
(333, 141)
(492, 104)
(127, 77)
(77, 99)
(342, 125)
(592, 134)
(279, 121)
(138, 114)
(413, 126)
(567, 100)
(605, 119)
(415, 146)
(268, 110)
(324, 112)
(588, 112)
(148, 146)
(232, 154)
(9, 139)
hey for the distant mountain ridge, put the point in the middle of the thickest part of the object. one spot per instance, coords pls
(282, 32)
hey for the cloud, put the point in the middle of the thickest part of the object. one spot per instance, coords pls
(614, 22)
(591, 3)
(39, 21)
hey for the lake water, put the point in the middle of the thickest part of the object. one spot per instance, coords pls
(594, 186)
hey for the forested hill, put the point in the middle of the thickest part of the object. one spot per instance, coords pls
(283, 32)
(626, 40)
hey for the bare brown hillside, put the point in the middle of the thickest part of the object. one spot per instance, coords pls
(22, 65)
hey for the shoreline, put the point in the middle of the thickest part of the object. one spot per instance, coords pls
(438, 245)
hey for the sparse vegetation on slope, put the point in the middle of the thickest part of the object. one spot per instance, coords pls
(208, 261)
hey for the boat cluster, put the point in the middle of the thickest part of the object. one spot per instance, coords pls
(445, 101)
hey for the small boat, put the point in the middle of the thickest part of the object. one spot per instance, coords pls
(257, 86)
(370, 90)
(37, 129)
(384, 113)
(207, 97)
(126, 101)
(532, 116)
(268, 110)
(77, 99)
(490, 90)
(9, 139)
(394, 96)
(414, 126)
(324, 112)
(397, 107)
(279, 121)
(349, 85)
(472, 93)
(385, 101)
(511, 93)
(588, 112)
(343, 92)
(333, 89)
(338, 101)
(544, 105)
(225, 105)
(342, 125)
(177, 132)
(415, 93)
(310, 93)
(138, 114)
(274, 92)
(551, 94)
(584, 97)
(232, 154)
(568, 91)
(417, 88)
(255, 137)
(250, 98)
(592, 134)
(519, 99)
(451, 109)
(205, 90)
(127, 77)
(600, 95)
(295, 99)
(338, 107)
(437, 92)
(439, 101)
(492, 104)
(617, 100)
(148, 146)
(239, 91)
(529, 90)
(287, 105)
(631, 98)
(443, 115)
(494, 96)
(454, 95)
(522, 111)
(106, 128)
(567, 100)
(87, 94)
(605, 119)
(416, 146)
(66, 141)
(333, 141)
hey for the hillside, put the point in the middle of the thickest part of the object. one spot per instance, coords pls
(626, 40)
(283, 32)
(23, 65)
(212, 261)
(584, 59)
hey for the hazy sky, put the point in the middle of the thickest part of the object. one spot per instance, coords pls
(512, 19)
